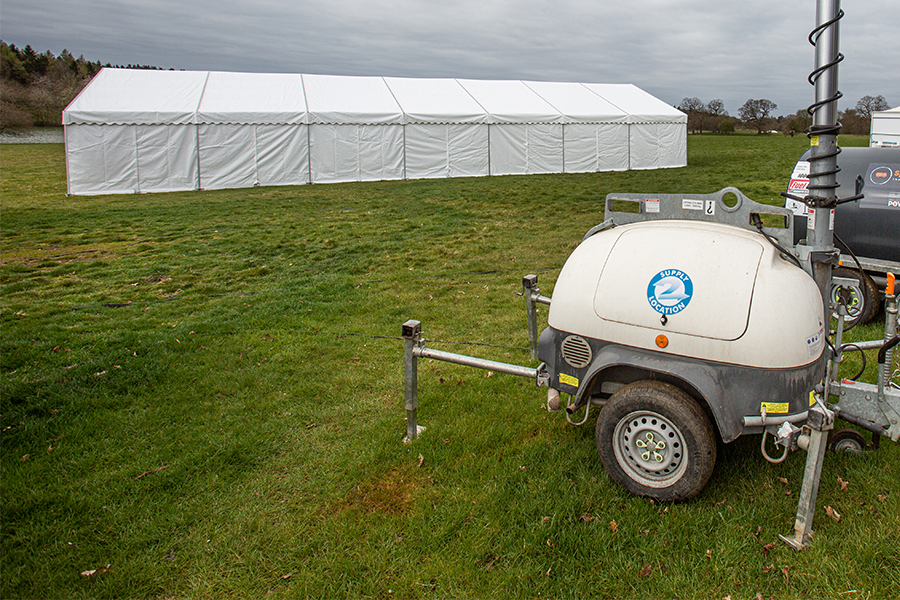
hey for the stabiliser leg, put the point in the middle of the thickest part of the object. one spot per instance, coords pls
(820, 421)
(412, 337)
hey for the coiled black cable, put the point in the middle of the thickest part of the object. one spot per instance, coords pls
(814, 76)
(862, 354)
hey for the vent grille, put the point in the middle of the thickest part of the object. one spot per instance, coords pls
(576, 351)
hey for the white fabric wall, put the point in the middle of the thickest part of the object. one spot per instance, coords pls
(100, 159)
(355, 152)
(592, 147)
(166, 157)
(658, 145)
(227, 156)
(446, 150)
(282, 154)
(120, 159)
(238, 156)
(525, 149)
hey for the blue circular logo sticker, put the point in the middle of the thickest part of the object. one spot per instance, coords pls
(670, 291)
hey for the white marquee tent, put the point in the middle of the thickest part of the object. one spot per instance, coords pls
(885, 129)
(153, 131)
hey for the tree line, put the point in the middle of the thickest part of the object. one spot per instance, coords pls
(759, 115)
(36, 87)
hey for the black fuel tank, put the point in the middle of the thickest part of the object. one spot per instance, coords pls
(871, 226)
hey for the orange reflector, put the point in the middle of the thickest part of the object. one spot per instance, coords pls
(662, 341)
(890, 284)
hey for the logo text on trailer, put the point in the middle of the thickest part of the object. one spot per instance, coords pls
(670, 291)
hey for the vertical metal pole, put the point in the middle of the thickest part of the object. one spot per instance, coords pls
(890, 330)
(529, 285)
(823, 141)
(820, 239)
(411, 337)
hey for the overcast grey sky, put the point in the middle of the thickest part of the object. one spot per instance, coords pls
(728, 49)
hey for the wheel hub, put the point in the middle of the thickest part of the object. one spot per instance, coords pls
(650, 448)
(853, 305)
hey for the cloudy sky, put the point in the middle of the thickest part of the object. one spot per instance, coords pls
(727, 49)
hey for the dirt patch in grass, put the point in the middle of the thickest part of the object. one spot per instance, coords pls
(57, 255)
(391, 494)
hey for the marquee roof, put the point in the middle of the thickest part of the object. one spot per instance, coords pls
(127, 96)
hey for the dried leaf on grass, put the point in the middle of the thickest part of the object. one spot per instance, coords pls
(843, 483)
(93, 572)
(787, 575)
(765, 547)
(832, 513)
(645, 572)
(709, 554)
(783, 480)
(586, 517)
(613, 526)
(145, 473)
(421, 460)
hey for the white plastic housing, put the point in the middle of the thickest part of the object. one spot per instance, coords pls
(748, 306)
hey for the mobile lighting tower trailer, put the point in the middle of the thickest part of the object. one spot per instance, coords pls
(670, 317)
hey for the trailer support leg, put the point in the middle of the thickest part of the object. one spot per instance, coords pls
(532, 298)
(820, 421)
(412, 336)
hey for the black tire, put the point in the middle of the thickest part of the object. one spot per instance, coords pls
(655, 440)
(864, 297)
(846, 440)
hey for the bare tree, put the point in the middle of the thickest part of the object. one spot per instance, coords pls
(694, 109)
(715, 114)
(757, 113)
(869, 104)
(716, 108)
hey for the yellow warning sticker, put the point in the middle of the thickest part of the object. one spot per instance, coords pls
(814, 140)
(812, 398)
(774, 407)
(568, 380)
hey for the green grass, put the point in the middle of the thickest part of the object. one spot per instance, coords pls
(204, 391)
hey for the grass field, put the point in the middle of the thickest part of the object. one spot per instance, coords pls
(203, 391)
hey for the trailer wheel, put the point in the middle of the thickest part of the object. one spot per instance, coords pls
(655, 440)
(846, 440)
(864, 298)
